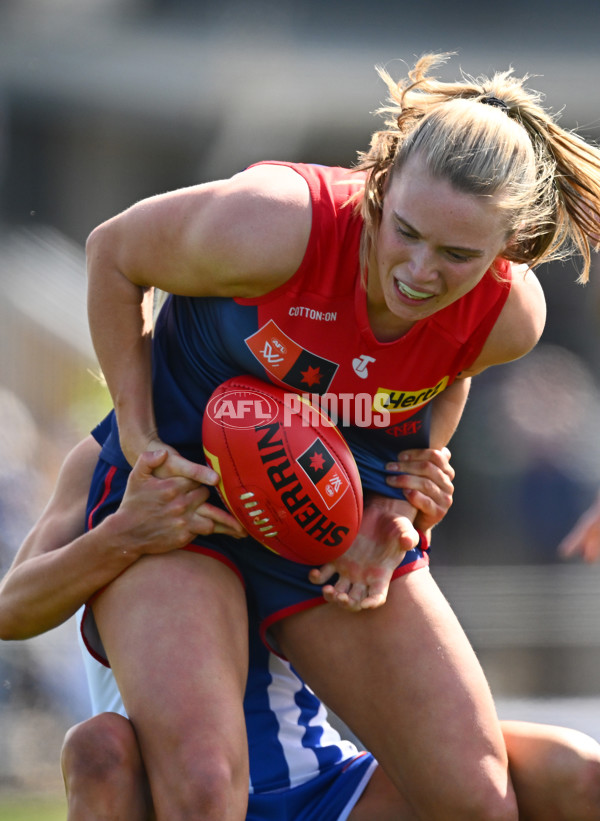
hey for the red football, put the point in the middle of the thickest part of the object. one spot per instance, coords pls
(286, 472)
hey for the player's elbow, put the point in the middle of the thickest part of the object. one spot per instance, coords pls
(97, 239)
(100, 251)
(13, 623)
(15, 631)
(9, 625)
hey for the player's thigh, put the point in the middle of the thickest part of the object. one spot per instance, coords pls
(406, 680)
(381, 800)
(174, 627)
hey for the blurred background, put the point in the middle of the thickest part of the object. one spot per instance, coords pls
(103, 102)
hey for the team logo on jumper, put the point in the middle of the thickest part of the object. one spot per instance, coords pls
(324, 472)
(289, 362)
(396, 401)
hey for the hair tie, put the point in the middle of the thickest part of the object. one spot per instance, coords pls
(494, 101)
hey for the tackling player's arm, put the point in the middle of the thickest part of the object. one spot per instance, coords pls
(155, 516)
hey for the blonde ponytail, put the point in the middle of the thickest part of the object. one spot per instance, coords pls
(546, 178)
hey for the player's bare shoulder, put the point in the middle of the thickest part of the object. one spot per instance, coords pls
(255, 227)
(524, 316)
(270, 205)
(241, 236)
(520, 324)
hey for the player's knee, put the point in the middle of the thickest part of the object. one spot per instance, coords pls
(100, 749)
(210, 790)
(588, 791)
(580, 786)
(488, 800)
(207, 788)
(496, 805)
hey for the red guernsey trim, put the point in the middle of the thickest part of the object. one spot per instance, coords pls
(107, 483)
(423, 561)
(403, 570)
(281, 614)
(194, 548)
(88, 646)
(214, 554)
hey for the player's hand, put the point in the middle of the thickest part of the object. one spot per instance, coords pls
(426, 478)
(584, 538)
(209, 518)
(365, 569)
(159, 514)
(173, 464)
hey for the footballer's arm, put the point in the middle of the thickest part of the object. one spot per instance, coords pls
(156, 515)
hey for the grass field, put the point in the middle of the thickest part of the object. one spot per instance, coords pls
(33, 809)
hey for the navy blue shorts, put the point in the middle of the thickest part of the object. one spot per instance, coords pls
(275, 587)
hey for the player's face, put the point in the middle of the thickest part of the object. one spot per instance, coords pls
(434, 245)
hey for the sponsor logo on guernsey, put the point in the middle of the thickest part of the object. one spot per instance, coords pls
(396, 401)
(313, 313)
(360, 365)
(408, 428)
(289, 362)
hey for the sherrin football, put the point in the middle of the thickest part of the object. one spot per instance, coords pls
(286, 472)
